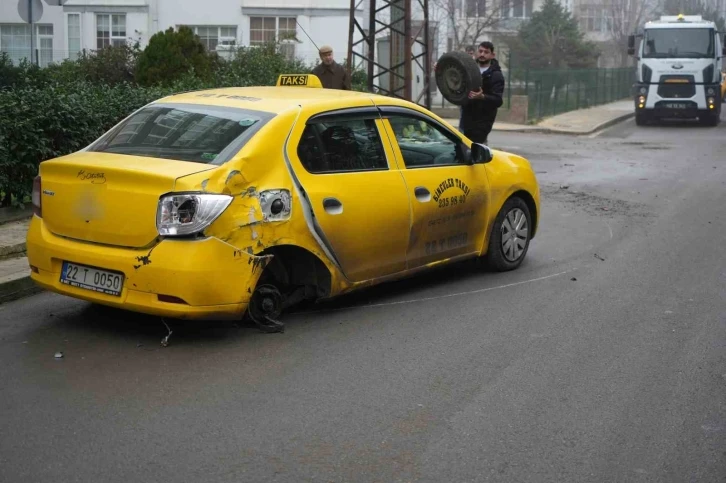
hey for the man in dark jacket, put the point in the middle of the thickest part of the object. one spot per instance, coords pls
(480, 111)
(331, 74)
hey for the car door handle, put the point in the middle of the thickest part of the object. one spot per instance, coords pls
(422, 194)
(332, 206)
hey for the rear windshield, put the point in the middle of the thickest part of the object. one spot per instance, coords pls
(185, 132)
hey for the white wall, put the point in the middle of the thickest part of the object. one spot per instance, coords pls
(50, 16)
(331, 31)
(200, 12)
(325, 21)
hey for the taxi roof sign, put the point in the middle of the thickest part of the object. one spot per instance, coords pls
(299, 80)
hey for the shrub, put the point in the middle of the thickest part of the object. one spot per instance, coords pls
(171, 55)
(40, 123)
(22, 74)
(54, 111)
(257, 66)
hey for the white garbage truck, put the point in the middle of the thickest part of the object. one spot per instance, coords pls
(678, 73)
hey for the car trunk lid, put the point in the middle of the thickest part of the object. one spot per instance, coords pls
(108, 199)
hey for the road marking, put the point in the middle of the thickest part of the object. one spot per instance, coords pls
(439, 297)
(609, 228)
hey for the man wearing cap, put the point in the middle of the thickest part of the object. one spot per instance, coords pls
(331, 74)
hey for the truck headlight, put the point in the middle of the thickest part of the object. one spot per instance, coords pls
(711, 91)
(643, 90)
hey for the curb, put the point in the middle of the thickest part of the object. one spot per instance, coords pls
(9, 215)
(17, 289)
(547, 130)
(535, 130)
(612, 122)
(599, 127)
(11, 251)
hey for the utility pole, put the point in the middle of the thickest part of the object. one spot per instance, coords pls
(390, 20)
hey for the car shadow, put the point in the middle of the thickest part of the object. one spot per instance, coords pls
(438, 277)
(147, 332)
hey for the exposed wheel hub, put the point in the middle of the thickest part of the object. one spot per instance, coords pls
(265, 307)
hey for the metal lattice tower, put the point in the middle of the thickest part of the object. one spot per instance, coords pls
(390, 20)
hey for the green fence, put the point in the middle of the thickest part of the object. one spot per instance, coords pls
(552, 92)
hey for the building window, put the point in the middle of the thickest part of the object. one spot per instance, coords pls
(475, 8)
(45, 45)
(594, 18)
(517, 8)
(212, 36)
(74, 35)
(110, 30)
(275, 29)
(15, 42)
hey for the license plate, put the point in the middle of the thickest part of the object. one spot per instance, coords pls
(676, 105)
(90, 278)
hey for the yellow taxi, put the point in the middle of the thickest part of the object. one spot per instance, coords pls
(226, 202)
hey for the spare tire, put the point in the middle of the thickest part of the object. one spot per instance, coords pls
(456, 75)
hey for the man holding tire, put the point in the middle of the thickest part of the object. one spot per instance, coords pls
(479, 113)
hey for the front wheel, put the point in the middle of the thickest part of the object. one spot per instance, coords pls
(710, 118)
(509, 240)
(641, 118)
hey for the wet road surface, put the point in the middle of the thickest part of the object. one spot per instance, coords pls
(603, 358)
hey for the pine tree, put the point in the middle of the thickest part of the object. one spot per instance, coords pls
(551, 39)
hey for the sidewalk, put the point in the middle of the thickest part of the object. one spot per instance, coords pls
(580, 122)
(14, 270)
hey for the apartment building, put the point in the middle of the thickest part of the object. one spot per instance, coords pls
(64, 31)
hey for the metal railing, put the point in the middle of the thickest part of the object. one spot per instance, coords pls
(555, 91)
(552, 92)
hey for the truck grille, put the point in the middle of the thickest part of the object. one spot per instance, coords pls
(677, 87)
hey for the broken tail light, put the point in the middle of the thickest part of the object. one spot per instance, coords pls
(187, 214)
(36, 197)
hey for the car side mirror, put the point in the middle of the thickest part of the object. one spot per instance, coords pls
(465, 153)
(631, 44)
(481, 153)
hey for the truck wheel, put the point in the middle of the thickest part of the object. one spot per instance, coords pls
(710, 119)
(641, 118)
(457, 74)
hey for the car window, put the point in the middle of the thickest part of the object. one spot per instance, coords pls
(423, 144)
(342, 145)
(203, 134)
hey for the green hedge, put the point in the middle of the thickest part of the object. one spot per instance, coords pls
(40, 123)
(57, 110)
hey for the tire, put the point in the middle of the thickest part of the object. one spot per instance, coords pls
(641, 118)
(710, 119)
(502, 256)
(456, 75)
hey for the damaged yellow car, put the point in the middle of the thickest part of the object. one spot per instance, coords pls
(226, 202)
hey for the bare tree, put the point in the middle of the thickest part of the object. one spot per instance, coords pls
(469, 20)
(627, 16)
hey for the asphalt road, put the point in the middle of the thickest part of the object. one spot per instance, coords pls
(603, 358)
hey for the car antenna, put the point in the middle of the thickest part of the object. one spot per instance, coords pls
(306, 34)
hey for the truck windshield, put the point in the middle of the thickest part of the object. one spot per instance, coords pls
(681, 42)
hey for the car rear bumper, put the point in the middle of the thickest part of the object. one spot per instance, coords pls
(188, 279)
